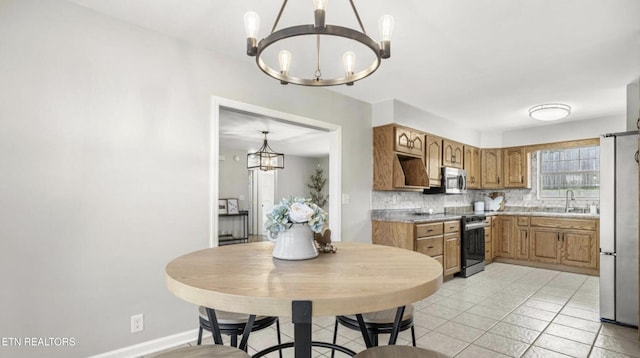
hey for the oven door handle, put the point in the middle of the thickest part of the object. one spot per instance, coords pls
(474, 226)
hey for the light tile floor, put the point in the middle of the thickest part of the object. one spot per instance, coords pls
(505, 311)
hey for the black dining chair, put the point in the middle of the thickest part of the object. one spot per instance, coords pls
(376, 323)
(206, 351)
(233, 325)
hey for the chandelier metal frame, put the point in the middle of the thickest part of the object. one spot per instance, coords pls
(265, 158)
(380, 50)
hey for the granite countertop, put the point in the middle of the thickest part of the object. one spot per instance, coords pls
(420, 216)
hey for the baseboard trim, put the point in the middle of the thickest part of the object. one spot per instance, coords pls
(152, 346)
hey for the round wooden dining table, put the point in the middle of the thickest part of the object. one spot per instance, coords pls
(358, 278)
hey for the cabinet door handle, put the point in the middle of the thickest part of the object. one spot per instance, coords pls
(558, 235)
(498, 180)
(429, 247)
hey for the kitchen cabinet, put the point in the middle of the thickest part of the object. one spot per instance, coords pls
(451, 247)
(491, 167)
(516, 167)
(506, 238)
(429, 240)
(452, 154)
(522, 238)
(398, 159)
(396, 234)
(472, 166)
(488, 239)
(440, 240)
(570, 242)
(409, 141)
(433, 159)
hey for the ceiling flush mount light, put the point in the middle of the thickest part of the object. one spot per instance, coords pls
(265, 158)
(549, 112)
(320, 30)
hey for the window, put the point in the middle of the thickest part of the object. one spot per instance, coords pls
(577, 169)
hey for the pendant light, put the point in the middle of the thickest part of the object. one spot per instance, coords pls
(265, 158)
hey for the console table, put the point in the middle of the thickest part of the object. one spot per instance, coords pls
(230, 239)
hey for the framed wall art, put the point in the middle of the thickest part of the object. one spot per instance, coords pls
(222, 206)
(232, 206)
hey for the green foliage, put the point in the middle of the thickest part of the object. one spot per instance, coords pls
(316, 185)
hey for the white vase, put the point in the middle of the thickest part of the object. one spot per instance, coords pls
(295, 243)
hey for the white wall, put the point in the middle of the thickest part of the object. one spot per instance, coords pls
(293, 179)
(234, 177)
(394, 111)
(563, 131)
(104, 155)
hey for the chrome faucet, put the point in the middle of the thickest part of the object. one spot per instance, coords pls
(566, 200)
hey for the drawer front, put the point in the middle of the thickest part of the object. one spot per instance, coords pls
(432, 229)
(487, 235)
(451, 226)
(431, 246)
(439, 259)
(564, 223)
(523, 221)
(487, 221)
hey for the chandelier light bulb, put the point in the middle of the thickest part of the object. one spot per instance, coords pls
(320, 4)
(385, 26)
(251, 24)
(284, 59)
(349, 60)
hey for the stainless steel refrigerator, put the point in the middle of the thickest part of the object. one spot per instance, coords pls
(619, 228)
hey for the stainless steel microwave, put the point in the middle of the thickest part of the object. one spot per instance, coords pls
(454, 181)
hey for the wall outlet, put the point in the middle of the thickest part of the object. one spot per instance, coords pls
(137, 323)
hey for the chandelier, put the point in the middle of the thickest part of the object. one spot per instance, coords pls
(320, 30)
(265, 158)
(549, 112)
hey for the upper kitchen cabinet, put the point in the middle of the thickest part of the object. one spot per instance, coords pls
(433, 157)
(491, 168)
(452, 154)
(398, 159)
(517, 166)
(472, 166)
(409, 141)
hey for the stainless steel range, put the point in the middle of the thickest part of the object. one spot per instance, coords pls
(472, 250)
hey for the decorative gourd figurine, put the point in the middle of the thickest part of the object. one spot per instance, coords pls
(324, 242)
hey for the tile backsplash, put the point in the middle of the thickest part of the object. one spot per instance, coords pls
(381, 200)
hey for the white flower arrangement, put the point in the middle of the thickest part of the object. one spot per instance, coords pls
(295, 210)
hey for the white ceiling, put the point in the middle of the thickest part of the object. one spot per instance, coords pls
(482, 63)
(241, 131)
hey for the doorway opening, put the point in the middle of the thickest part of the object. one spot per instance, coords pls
(260, 201)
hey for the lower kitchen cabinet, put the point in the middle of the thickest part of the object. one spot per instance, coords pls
(580, 248)
(451, 253)
(545, 245)
(440, 240)
(488, 241)
(522, 238)
(505, 240)
(559, 242)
